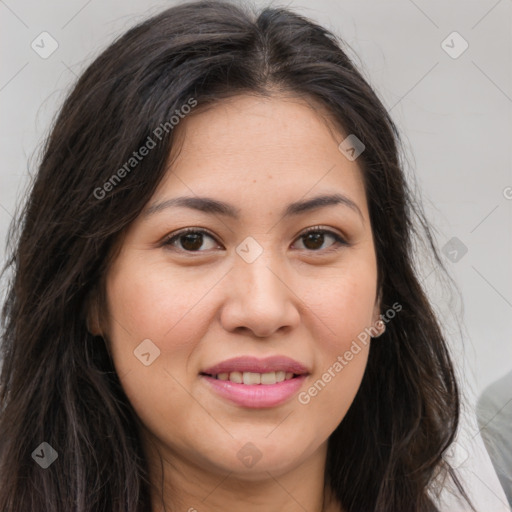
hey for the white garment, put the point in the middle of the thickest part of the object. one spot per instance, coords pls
(471, 461)
(494, 414)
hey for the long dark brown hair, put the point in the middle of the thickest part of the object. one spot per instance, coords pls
(58, 384)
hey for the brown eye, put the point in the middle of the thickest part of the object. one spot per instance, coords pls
(315, 238)
(314, 241)
(191, 240)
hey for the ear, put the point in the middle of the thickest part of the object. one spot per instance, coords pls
(376, 316)
(92, 318)
(376, 308)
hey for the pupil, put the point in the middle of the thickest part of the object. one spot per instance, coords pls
(192, 241)
(315, 238)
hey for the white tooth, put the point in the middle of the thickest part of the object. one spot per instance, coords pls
(268, 378)
(251, 378)
(223, 376)
(288, 375)
(280, 376)
(235, 377)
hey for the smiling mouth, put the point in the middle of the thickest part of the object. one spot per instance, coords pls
(252, 378)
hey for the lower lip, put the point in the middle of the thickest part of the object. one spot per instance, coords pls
(258, 395)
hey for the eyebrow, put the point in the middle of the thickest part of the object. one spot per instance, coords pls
(213, 206)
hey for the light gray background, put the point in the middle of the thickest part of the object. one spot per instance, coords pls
(455, 115)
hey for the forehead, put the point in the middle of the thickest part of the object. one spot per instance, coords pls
(273, 148)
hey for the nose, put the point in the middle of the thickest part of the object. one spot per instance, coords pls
(259, 299)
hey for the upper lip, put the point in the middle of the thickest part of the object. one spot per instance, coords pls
(255, 365)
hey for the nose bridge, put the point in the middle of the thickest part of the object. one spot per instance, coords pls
(260, 271)
(259, 299)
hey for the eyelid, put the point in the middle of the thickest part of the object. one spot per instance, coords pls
(340, 239)
(167, 241)
(325, 229)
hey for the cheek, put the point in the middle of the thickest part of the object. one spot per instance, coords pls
(343, 309)
(342, 356)
(155, 302)
(151, 303)
(344, 306)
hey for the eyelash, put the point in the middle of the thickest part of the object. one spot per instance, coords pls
(314, 229)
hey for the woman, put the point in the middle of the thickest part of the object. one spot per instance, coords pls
(219, 227)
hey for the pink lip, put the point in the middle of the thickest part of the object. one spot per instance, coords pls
(258, 395)
(253, 364)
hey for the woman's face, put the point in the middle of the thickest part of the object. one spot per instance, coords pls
(247, 282)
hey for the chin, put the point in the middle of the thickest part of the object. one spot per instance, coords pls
(254, 460)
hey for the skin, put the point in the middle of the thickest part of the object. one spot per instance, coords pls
(300, 299)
